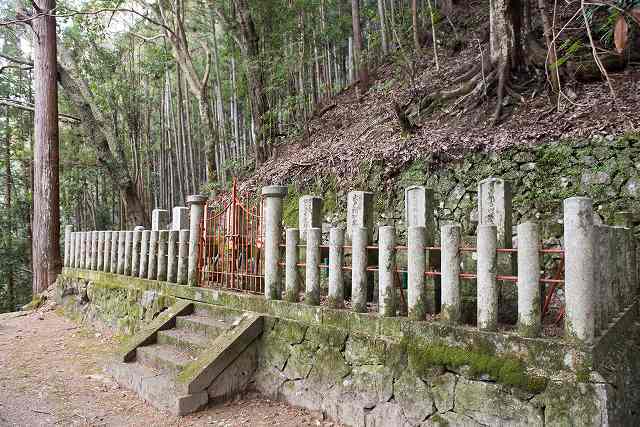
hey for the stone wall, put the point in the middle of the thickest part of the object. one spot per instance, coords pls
(604, 169)
(377, 381)
(365, 370)
(124, 309)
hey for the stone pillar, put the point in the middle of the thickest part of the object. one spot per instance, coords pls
(67, 244)
(487, 283)
(272, 208)
(416, 266)
(122, 238)
(94, 250)
(578, 267)
(163, 237)
(359, 241)
(87, 250)
(135, 251)
(309, 214)
(100, 264)
(451, 302)
(144, 254)
(312, 269)
(128, 247)
(196, 206)
(180, 218)
(113, 268)
(336, 262)
(386, 271)
(152, 265)
(183, 256)
(292, 285)
(360, 213)
(159, 219)
(528, 280)
(70, 262)
(78, 249)
(106, 263)
(601, 278)
(172, 256)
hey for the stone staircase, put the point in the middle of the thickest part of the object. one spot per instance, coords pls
(190, 354)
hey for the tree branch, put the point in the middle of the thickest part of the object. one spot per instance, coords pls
(16, 60)
(29, 107)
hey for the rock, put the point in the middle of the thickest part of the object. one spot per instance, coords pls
(330, 368)
(373, 384)
(443, 389)
(450, 419)
(526, 167)
(363, 350)
(632, 187)
(599, 177)
(300, 360)
(388, 414)
(148, 298)
(413, 396)
(489, 404)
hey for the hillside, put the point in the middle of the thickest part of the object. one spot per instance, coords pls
(348, 133)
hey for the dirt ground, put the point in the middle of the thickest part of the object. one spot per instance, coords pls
(51, 374)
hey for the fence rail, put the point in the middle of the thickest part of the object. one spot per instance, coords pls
(247, 249)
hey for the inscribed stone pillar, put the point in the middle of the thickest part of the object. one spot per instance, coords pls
(309, 214)
(159, 219)
(180, 218)
(360, 213)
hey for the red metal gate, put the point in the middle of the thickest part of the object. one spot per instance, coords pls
(230, 253)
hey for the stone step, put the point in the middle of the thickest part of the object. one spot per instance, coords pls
(164, 357)
(221, 313)
(155, 387)
(202, 324)
(185, 339)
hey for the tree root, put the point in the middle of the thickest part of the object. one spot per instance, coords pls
(471, 88)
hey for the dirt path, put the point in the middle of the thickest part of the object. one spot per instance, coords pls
(51, 374)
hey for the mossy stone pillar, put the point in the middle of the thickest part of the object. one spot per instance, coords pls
(450, 252)
(291, 282)
(336, 263)
(163, 237)
(272, 210)
(67, 244)
(113, 268)
(359, 241)
(312, 266)
(172, 256)
(100, 262)
(183, 257)
(487, 272)
(135, 251)
(128, 246)
(144, 254)
(386, 271)
(529, 314)
(106, 263)
(152, 265)
(579, 265)
(416, 266)
(196, 203)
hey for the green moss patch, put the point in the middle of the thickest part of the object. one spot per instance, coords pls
(509, 371)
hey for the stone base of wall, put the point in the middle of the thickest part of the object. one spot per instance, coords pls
(373, 379)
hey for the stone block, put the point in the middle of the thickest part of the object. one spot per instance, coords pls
(159, 219)
(360, 212)
(180, 218)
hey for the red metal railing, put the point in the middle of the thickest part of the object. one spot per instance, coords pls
(230, 252)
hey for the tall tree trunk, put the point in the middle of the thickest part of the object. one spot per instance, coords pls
(8, 199)
(414, 25)
(46, 198)
(359, 57)
(383, 27)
